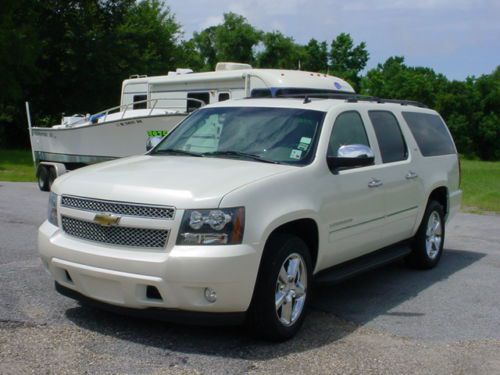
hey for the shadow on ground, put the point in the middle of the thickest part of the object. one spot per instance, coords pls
(336, 311)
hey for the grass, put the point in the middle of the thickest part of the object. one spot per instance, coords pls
(480, 179)
(16, 165)
(481, 185)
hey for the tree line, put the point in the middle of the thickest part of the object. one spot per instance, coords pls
(72, 55)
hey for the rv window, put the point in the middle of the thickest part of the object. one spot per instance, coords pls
(195, 104)
(223, 96)
(261, 93)
(138, 98)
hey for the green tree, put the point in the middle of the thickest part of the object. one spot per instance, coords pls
(346, 60)
(205, 42)
(19, 48)
(393, 79)
(233, 40)
(315, 56)
(279, 52)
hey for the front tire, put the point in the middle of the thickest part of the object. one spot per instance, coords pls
(281, 293)
(427, 245)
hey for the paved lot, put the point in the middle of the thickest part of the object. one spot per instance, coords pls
(389, 321)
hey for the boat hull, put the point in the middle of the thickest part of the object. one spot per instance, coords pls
(91, 144)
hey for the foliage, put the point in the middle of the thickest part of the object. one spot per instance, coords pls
(72, 55)
(233, 40)
(279, 52)
(347, 60)
(315, 56)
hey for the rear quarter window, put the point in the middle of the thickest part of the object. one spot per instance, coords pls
(430, 132)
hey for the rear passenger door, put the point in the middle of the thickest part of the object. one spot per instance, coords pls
(400, 182)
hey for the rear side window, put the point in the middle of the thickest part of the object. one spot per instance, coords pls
(390, 139)
(430, 133)
(347, 130)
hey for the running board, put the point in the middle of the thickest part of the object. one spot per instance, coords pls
(346, 270)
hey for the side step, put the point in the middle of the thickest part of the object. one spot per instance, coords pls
(346, 270)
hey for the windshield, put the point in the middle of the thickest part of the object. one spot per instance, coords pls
(279, 135)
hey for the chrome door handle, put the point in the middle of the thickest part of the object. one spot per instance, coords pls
(411, 175)
(375, 182)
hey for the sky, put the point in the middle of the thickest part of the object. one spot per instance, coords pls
(458, 38)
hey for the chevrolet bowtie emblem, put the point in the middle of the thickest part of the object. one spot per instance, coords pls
(106, 220)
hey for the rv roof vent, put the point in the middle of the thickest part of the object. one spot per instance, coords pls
(231, 66)
(180, 71)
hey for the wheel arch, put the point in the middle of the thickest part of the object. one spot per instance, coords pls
(441, 195)
(304, 228)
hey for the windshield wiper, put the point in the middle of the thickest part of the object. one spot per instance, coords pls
(172, 151)
(239, 154)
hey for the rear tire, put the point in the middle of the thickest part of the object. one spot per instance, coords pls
(427, 245)
(42, 177)
(281, 293)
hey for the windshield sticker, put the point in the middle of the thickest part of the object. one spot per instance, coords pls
(305, 140)
(303, 146)
(295, 154)
(157, 133)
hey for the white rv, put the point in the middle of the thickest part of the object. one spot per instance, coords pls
(153, 106)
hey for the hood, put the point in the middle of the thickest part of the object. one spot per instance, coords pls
(180, 181)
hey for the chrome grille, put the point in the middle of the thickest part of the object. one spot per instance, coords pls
(120, 208)
(124, 236)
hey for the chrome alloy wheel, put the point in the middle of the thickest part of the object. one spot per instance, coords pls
(291, 288)
(433, 235)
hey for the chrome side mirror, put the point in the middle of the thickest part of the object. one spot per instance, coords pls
(351, 156)
(152, 142)
(355, 151)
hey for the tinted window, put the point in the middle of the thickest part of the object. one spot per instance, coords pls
(223, 96)
(390, 139)
(261, 93)
(194, 104)
(430, 133)
(347, 130)
(139, 98)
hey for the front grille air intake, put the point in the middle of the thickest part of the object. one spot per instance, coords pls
(119, 208)
(123, 236)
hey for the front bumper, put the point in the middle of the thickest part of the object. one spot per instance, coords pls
(168, 315)
(122, 277)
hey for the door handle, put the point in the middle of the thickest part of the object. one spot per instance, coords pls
(411, 175)
(375, 182)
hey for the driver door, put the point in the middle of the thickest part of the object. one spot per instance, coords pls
(353, 207)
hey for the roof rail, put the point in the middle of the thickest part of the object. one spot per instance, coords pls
(352, 98)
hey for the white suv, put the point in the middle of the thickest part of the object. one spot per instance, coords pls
(234, 214)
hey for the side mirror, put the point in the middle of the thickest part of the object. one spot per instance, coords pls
(152, 142)
(351, 156)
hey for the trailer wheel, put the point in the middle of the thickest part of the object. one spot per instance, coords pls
(52, 176)
(42, 177)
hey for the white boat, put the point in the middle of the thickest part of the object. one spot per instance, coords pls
(153, 106)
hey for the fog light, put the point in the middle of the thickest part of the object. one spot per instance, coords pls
(210, 295)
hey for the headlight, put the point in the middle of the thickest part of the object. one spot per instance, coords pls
(52, 212)
(221, 226)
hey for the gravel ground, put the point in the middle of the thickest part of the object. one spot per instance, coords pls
(388, 321)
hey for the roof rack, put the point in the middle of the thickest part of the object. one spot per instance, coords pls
(351, 98)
